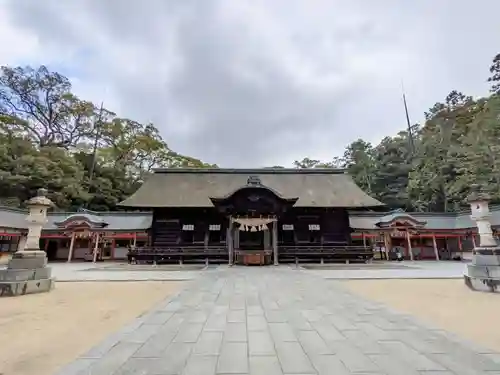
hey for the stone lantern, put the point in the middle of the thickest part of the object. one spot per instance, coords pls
(27, 271)
(37, 218)
(484, 271)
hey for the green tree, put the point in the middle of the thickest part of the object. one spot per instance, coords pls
(51, 115)
(48, 137)
(359, 160)
(495, 75)
(392, 158)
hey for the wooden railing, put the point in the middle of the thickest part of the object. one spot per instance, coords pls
(285, 253)
(324, 249)
(179, 250)
(176, 253)
(325, 252)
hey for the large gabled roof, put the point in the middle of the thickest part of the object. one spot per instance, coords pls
(122, 221)
(194, 187)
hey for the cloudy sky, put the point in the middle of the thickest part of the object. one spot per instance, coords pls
(248, 83)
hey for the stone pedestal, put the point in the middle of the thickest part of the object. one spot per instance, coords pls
(483, 274)
(484, 271)
(27, 271)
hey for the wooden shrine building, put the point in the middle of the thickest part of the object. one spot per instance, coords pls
(251, 216)
(247, 216)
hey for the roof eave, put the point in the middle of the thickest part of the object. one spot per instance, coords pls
(251, 170)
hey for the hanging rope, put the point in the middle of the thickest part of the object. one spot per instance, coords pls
(253, 224)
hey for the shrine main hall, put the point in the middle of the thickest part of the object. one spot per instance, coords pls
(247, 216)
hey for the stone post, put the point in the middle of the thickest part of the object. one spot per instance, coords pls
(27, 271)
(484, 270)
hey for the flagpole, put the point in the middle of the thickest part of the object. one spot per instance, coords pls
(97, 128)
(408, 123)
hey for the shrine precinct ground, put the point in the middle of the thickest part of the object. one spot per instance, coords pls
(247, 320)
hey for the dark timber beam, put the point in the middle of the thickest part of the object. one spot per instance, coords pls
(275, 242)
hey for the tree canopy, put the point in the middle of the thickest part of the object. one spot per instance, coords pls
(88, 156)
(456, 146)
(48, 138)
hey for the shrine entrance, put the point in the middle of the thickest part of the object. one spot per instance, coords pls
(252, 240)
(253, 211)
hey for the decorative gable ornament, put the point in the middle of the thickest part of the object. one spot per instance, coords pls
(254, 180)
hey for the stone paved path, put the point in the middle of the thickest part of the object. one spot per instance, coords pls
(277, 320)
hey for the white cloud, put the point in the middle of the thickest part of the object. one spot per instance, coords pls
(251, 83)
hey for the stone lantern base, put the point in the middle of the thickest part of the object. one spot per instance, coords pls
(26, 273)
(483, 274)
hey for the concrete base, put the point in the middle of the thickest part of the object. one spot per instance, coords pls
(19, 288)
(28, 259)
(483, 274)
(482, 285)
(26, 273)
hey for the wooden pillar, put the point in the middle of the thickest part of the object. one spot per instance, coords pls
(90, 245)
(460, 246)
(229, 241)
(205, 243)
(408, 240)
(474, 241)
(134, 241)
(112, 251)
(275, 242)
(71, 245)
(267, 239)
(434, 243)
(387, 237)
(236, 238)
(96, 248)
(206, 238)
